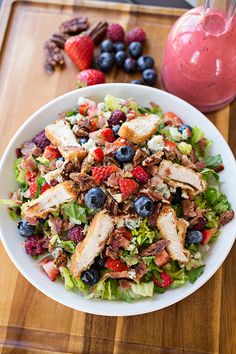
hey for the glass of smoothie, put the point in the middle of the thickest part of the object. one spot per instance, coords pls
(199, 62)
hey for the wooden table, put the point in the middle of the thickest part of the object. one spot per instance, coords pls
(29, 321)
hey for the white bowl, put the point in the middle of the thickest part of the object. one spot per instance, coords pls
(55, 290)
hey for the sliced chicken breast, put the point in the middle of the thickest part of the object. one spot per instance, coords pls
(61, 135)
(173, 230)
(94, 242)
(50, 200)
(175, 172)
(140, 129)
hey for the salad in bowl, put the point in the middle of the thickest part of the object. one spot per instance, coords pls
(117, 200)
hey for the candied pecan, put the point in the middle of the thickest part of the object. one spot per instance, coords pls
(186, 162)
(154, 159)
(67, 169)
(53, 54)
(152, 170)
(153, 218)
(178, 153)
(139, 156)
(117, 240)
(141, 269)
(226, 217)
(219, 168)
(190, 210)
(200, 165)
(155, 248)
(126, 206)
(74, 26)
(84, 181)
(169, 155)
(193, 156)
(111, 205)
(97, 31)
(59, 39)
(81, 132)
(61, 259)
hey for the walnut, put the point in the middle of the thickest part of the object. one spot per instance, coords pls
(111, 205)
(84, 181)
(97, 31)
(59, 39)
(139, 156)
(68, 168)
(74, 26)
(61, 259)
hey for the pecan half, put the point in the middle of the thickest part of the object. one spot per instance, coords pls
(54, 56)
(139, 156)
(111, 205)
(74, 26)
(59, 39)
(155, 248)
(61, 259)
(84, 181)
(153, 159)
(226, 217)
(97, 31)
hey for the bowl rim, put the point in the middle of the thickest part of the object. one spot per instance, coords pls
(97, 309)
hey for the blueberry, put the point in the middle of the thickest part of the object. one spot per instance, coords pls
(83, 140)
(105, 61)
(145, 62)
(120, 57)
(135, 49)
(99, 262)
(125, 154)
(118, 46)
(25, 229)
(137, 82)
(90, 276)
(115, 130)
(193, 236)
(94, 198)
(107, 46)
(129, 65)
(177, 196)
(183, 127)
(144, 206)
(149, 76)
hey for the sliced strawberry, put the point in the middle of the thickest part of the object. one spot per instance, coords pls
(166, 280)
(207, 235)
(102, 173)
(108, 135)
(83, 108)
(31, 177)
(33, 189)
(93, 124)
(171, 118)
(51, 270)
(170, 145)
(115, 265)
(162, 258)
(128, 186)
(44, 188)
(51, 152)
(140, 175)
(98, 154)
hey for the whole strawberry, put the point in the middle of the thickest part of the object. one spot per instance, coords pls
(80, 50)
(136, 35)
(90, 77)
(115, 32)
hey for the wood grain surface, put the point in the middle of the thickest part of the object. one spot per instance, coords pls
(29, 321)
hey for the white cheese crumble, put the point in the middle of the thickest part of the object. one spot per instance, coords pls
(176, 135)
(131, 247)
(75, 128)
(107, 115)
(53, 175)
(90, 145)
(163, 189)
(101, 105)
(184, 195)
(132, 223)
(185, 134)
(156, 143)
(197, 255)
(132, 274)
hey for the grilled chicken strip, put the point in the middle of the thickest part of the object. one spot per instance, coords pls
(61, 135)
(50, 200)
(94, 242)
(173, 230)
(178, 173)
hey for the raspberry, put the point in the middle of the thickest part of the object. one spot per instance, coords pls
(98, 154)
(40, 140)
(36, 245)
(76, 234)
(128, 186)
(117, 117)
(136, 35)
(140, 174)
(166, 280)
(101, 173)
(108, 135)
(115, 32)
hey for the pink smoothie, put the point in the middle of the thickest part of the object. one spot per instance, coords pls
(200, 59)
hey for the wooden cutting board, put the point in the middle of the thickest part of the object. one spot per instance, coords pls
(29, 321)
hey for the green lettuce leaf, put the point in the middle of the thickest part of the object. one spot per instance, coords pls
(159, 290)
(9, 202)
(211, 195)
(211, 177)
(20, 173)
(212, 220)
(197, 134)
(68, 246)
(79, 284)
(129, 260)
(195, 273)
(13, 214)
(67, 278)
(107, 289)
(213, 161)
(143, 289)
(76, 212)
(145, 233)
(39, 181)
